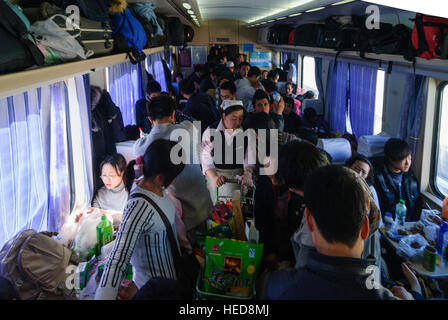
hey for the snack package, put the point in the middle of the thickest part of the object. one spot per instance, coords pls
(223, 230)
(411, 247)
(430, 218)
(231, 266)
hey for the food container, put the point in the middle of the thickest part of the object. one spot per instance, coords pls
(430, 258)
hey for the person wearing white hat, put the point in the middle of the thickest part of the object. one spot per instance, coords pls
(231, 66)
(215, 165)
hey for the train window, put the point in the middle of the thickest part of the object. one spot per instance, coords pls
(309, 75)
(441, 167)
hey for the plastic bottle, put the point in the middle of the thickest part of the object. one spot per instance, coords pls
(400, 213)
(445, 209)
(388, 220)
(443, 229)
(445, 249)
(104, 233)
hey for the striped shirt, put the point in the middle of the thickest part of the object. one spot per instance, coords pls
(142, 241)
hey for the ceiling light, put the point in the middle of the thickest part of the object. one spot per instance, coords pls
(263, 22)
(186, 5)
(193, 16)
(190, 11)
(342, 2)
(291, 5)
(315, 9)
(271, 21)
(282, 18)
(295, 14)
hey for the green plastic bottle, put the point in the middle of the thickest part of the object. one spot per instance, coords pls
(104, 233)
(129, 273)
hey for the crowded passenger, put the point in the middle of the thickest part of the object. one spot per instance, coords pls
(293, 122)
(262, 103)
(199, 106)
(214, 162)
(243, 70)
(246, 87)
(337, 217)
(394, 181)
(142, 225)
(153, 90)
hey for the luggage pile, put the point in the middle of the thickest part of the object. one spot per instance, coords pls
(42, 33)
(229, 253)
(428, 39)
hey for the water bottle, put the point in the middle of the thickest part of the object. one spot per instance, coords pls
(104, 233)
(443, 229)
(400, 213)
(388, 220)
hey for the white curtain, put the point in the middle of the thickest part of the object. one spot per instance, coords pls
(34, 175)
(125, 88)
(154, 66)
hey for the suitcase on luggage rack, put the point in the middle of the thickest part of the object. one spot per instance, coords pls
(279, 34)
(308, 35)
(95, 35)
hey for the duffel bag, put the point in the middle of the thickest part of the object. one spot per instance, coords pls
(188, 33)
(428, 35)
(308, 35)
(397, 40)
(37, 266)
(342, 39)
(291, 37)
(279, 34)
(129, 36)
(19, 50)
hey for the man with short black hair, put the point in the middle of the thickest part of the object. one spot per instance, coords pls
(394, 181)
(153, 90)
(337, 204)
(243, 70)
(273, 75)
(261, 103)
(246, 87)
(227, 91)
(199, 73)
(200, 106)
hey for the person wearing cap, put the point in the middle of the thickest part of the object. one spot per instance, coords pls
(230, 66)
(215, 164)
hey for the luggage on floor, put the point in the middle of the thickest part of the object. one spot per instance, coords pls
(37, 266)
(19, 50)
(308, 35)
(428, 35)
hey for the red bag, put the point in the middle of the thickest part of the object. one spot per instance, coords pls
(428, 35)
(291, 37)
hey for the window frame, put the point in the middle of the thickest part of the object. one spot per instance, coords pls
(436, 138)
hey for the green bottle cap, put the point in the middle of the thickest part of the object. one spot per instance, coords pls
(402, 202)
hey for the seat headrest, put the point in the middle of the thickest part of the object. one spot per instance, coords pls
(338, 148)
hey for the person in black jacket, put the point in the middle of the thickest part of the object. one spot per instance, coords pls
(153, 90)
(337, 203)
(394, 181)
(293, 122)
(200, 106)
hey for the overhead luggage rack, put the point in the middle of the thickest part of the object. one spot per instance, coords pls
(14, 83)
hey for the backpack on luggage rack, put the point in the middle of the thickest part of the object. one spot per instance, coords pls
(175, 35)
(428, 36)
(129, 36)
(308, 35)
(36, 265)
(19, 50)
(279, 34)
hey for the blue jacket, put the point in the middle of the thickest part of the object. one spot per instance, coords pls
(326, 278)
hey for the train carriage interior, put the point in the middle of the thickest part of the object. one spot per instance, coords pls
(95, 95)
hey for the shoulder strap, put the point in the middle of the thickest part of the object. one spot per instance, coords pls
(173, 244)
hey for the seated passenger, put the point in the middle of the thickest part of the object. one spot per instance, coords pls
(199, 73)
(292, 120)
(336, 214)
(246, 87)
(395, 182)
(117, 181)
(262, 103)
(200, 106)
(153, 90)
(209, 83)
(273, 76)
(264, 74)
(139, 236)
(307, 95)
(189, 187)
(364, 168)
(314, 126)
(229, 129)
(289, 90)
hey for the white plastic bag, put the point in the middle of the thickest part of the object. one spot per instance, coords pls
(49, 34)
(411, 247)
(86, 238)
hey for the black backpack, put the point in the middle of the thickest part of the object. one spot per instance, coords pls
(188, 33)
(19, 50)
(279, 34)
(175, 30)
(308, 35)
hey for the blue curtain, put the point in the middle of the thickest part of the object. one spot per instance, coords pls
(125, 89)
(34, 175)
(412, 109)
(362, 92)
(338, 99)
(319, 82)
(155, 67)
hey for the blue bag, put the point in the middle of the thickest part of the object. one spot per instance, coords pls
(129, 36)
